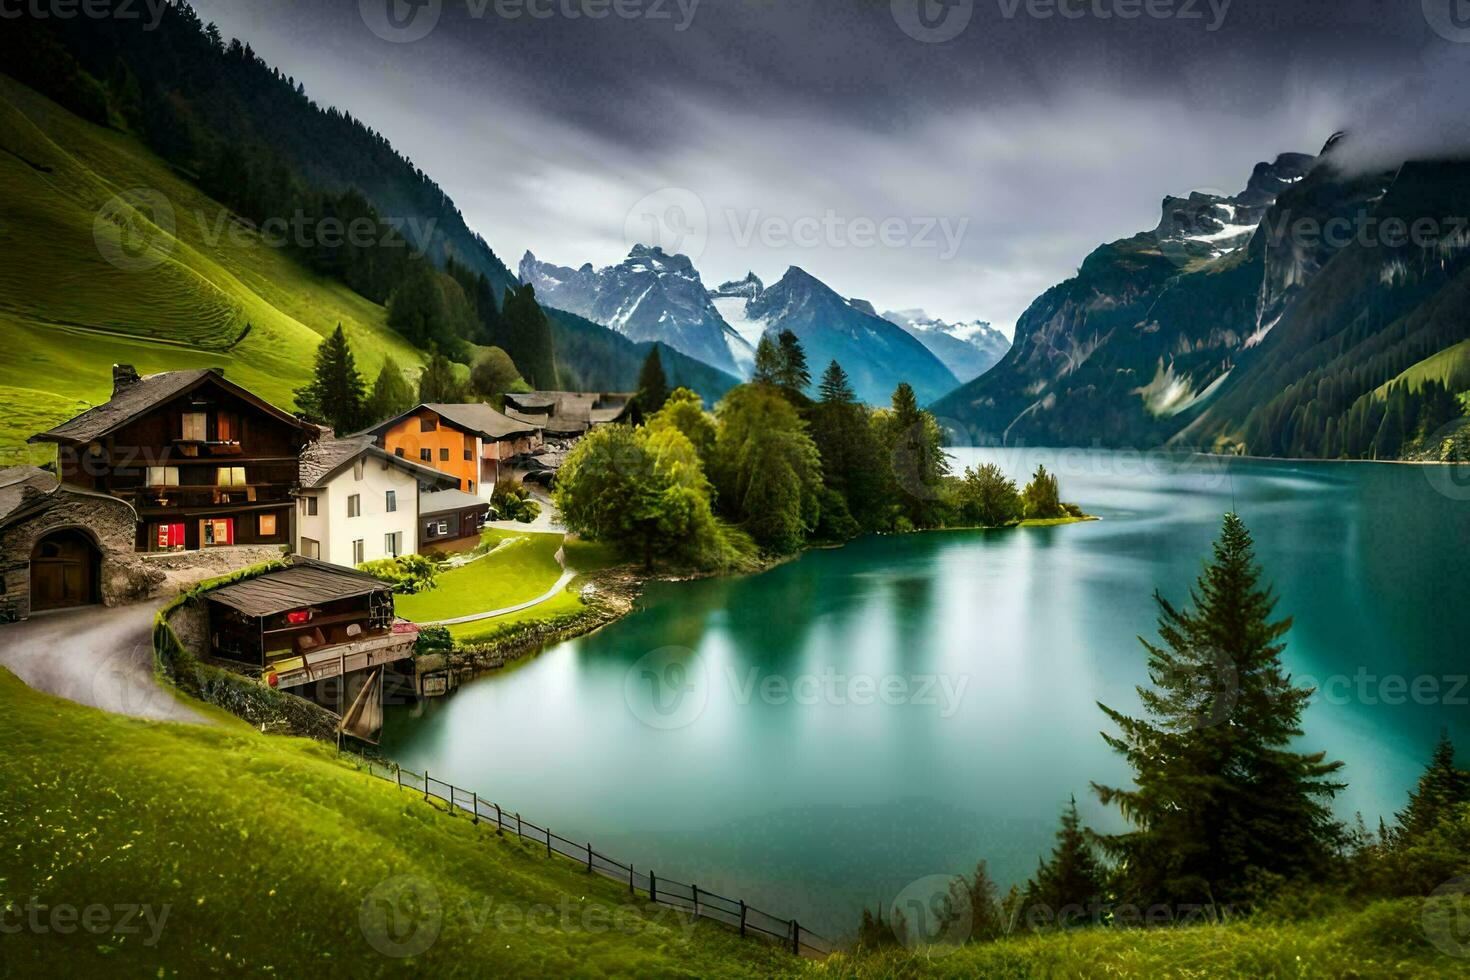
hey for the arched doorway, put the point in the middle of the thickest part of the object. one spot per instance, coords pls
(65, 571)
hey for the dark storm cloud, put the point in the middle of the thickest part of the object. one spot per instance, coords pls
(799, 130)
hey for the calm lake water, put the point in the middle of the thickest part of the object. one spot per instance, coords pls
(814, 738)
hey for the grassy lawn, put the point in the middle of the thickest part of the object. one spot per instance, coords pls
(521, 568)
(67, 313)
(259, 854)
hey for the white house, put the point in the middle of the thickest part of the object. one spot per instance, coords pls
(358, 503)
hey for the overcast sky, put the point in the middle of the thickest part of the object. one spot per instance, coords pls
(955, 155)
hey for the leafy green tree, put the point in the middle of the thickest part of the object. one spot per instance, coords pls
(684, 410)
(1219, 795)
(391, 395)
(653, 385)
(494, 374)
(986, 497)
(440, 382)
(767, 468)
(528, 337)
(335, 395)
(1042, 497)
(512, 501)
(768, 362)
(1069, 882)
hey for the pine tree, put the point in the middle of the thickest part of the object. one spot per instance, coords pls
(792, 373)
(1442, 787)
(528, 338)
(835, 388)
(392, 395)
(439, 382)
(980, 898)
(1219, 794)
(653, 385)
(1070, 882)
(916, 453)
(335, 393)
(1042, 497)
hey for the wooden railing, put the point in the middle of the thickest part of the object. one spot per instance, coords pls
(735, 913)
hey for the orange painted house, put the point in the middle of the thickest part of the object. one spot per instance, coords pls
(471, 442)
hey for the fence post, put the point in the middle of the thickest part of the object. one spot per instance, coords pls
(796, 937)
(548, 842)
(497, 819)
(426, 785)
(589, 857)
(652, 887)
(518, 824)
(742, 918)
(398, 772)
(630, 879)
(695, 889)
(475, 802)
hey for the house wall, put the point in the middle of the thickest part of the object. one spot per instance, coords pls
(447, 448)
(336, 532)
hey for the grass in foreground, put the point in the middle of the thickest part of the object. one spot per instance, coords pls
(260, 854)
(520, 568)
(1385, 939)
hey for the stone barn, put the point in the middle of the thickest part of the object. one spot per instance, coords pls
(62, 547)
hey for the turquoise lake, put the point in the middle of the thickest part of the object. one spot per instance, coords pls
(816, 737)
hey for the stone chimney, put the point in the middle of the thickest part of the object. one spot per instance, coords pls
(123, 375)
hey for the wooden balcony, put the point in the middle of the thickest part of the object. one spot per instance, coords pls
(345, 658)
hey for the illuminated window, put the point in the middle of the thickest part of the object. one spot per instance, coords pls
(163, 476)
(230, 476)
(267, 525)
(196, 426)
(224, 426)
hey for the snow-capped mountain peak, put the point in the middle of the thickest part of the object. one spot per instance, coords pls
(969, 348)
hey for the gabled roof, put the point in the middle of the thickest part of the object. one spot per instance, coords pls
(322, 460)
(16, 480)
(473, 417)
(305, 583)
(443, 501)
(145, 394)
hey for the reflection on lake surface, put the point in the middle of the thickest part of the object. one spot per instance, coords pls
(813, 738)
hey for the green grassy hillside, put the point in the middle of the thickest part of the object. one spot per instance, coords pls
(76, 295)
(261, 854)
(265, 852)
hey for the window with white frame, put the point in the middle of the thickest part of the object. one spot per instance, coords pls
(390, 501)
(393, 544)
(163, 476)
(354, 505)
(358, 552)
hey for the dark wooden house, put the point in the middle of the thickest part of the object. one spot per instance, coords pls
(307, 623)
(204, 462)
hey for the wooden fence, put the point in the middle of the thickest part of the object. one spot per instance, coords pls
(750, 921)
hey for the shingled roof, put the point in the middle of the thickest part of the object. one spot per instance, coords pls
(321, 460)
(131, 400)
(16, 481)
(305, 583)
(476, 417)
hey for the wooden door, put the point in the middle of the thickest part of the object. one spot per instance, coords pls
(63, 571)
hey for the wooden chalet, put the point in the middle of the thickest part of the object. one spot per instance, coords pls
(204, 462)
(307, 623)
